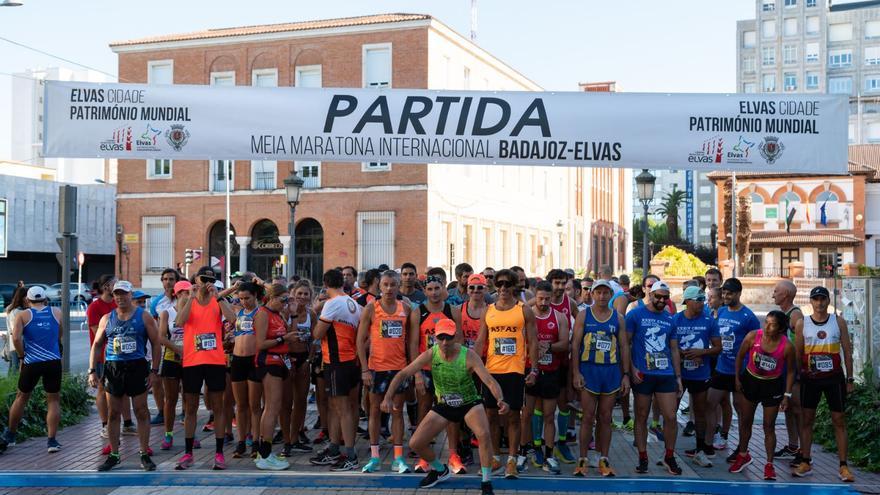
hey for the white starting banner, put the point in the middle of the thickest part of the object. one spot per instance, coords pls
(778, 132)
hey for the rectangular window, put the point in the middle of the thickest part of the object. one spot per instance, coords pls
(223, 78)
(872, 83)
(263, 175)
(488, 248)
(158, 248)
(160, 72)
(872, 55)
(787, 256)
(790, 3)
(840, 58)
(811, 3)
(812, 24)
(748, 64)
(755, 262)
(790, 81)
(221, 171)
(467, 242)
(812, 80)
(874, 132)
(826, 261)
(768, 83)
(377, 65)
(310, 173)
(840, 32)
(159, 169)
(768, 5)
(307, 76)
(749, 39)
(264, 78)
(375, 238)
(505, 247)
(789, 54)
(872, 29)
(768, 56)
(375, 167)
(840, 85)
(749, 87)
(790, 27)
(812, 53)
(768, 29)
(467, 78)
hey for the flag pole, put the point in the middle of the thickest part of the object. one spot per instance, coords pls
(733, 225)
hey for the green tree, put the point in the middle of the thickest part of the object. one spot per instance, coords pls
(668, 208)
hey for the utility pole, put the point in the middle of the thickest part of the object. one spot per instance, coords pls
(473, 21)
(67, 242)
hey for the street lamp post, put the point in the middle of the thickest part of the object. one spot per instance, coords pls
(645, 188)
(293, 186)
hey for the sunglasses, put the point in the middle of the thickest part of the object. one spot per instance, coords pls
(504, 283)
(444, 336)
(284, 299)
(490, 277)
(207, 280)
(660, 297)
(476, 287)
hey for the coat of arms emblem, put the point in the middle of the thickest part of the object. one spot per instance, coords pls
(771, 148)
(177, 136)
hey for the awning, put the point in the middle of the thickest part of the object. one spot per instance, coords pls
(780, 238)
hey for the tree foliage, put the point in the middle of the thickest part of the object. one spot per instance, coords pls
(681, 263)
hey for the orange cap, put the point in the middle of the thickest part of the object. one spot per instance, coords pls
(445, 327)
(477, 279)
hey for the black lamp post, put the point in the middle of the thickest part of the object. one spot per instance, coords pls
(293, 186)
(645, 188)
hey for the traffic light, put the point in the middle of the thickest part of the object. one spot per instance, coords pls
(838, 260)
(188, 256)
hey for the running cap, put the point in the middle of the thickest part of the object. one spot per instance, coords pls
(36, 293)
(139, 295)
(693, 293)
(601, 283)
(658, 285)
(815, 292)
(445, 327)
(123, 285)
(476, 279)
(182, 286)
(207, 272)
(733, 285)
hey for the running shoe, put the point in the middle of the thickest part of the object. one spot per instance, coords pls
(129, 430)
(742, 460)
(671, 465)
(372, 466)
(551, 465)
(718, 442)
(422, 466)
(287, 451)
(563, 453)
(538, 458)
(345, 464)
(511, 472)
(219, 462)
(710, 451)
(147, 464)
(399, 466)
(106, 450)
(324, 458)
(700, 459)
(228, 439)
(53, 445)
(786, 453)
(522, 463)
(149, 450)
(303, 438)
(629, 425)
(686, 410)
(845, 474)
(732, 457)
(302, 448)
(278, 438)
(456, 465)
(581, 468)
(271, 463)
(690, 452)
(157, 420)
(689, 429)
(769, 472)
(657, 430)
(497, 466)
(240, 450)
(185, 462)
(111, 461)
(798, 459)
(209, 426)
(321, 438)
(486, 488)
(803, 469)
(642, 468)
(435, 477)
(104, 433)
(167, 443)
(605, 469)
(571, 437)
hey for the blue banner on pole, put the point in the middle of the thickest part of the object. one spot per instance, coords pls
(689, 205)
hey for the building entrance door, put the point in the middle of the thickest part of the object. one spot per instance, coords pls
(265, 251)
(310, 250)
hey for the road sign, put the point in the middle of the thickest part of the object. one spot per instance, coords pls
(81, 258)
(131, 238)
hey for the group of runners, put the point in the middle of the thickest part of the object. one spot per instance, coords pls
(494, 362)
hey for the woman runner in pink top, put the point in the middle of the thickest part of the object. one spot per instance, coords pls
(767, 355)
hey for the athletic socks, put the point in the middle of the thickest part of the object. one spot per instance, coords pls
(265, 449)
(189, 445)
(487, 473)
(436, 465)
(537, 427)
(398, 451)
(562, 424)
(374, 451)
(218, 444)
(350, 453)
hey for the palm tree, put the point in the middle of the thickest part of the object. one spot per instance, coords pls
(669, 208)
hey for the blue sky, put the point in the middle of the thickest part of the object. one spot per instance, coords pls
(644, 45)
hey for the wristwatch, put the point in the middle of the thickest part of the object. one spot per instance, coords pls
(92, 371)
(851, 380)
(154, 370)
(787, 395)
(279, 340)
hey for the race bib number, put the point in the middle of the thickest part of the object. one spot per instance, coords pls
(690, 364)
(821, 364)
(177, 338)
(603, 343)
(657, 361)
(505, 346)
(452, 400)
(727, 341)
(546, 359)
(765, 363)
(206, 342)
(245, 325)
(126, 345)
(391, 329)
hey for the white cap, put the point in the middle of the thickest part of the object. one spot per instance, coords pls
(123, 285)
(659, 285)
(218, 284)
(601, 283)
(36, 293)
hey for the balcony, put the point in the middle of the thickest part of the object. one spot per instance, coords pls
(264, 181)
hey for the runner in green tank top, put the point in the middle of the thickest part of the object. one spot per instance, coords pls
(457, 401)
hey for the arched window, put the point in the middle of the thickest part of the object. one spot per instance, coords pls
(791, 197)
(757, 198)
(217, 247)
(826, 196)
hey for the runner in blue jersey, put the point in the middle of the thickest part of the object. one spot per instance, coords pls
(698, 341)
(36, 336)
(655, 371)
(735, 321)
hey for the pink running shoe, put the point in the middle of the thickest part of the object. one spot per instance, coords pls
(167, 443)
(219, 462)
(184, 462)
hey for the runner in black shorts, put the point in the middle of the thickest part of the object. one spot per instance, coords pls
(171, 371)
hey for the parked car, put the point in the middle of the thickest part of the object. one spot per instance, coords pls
(78, 292)
(6, 293)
